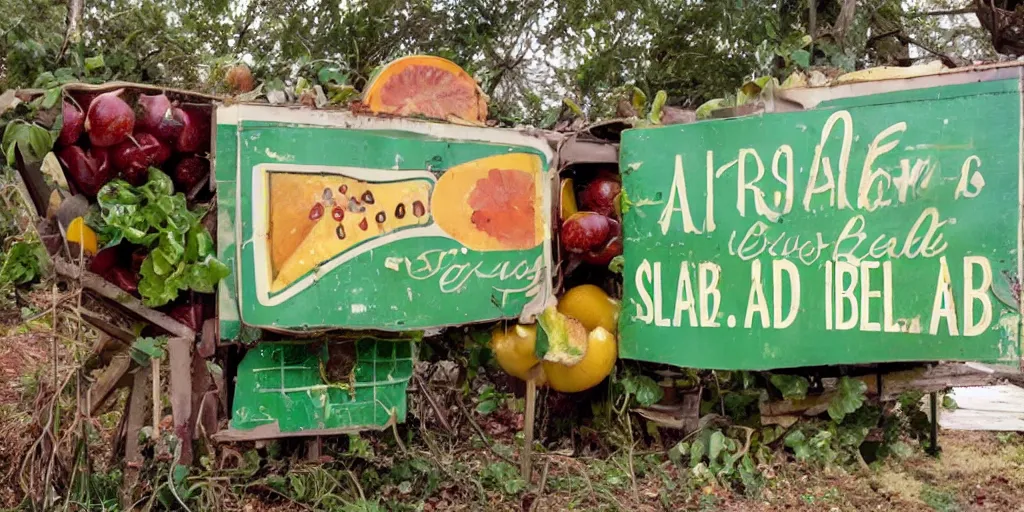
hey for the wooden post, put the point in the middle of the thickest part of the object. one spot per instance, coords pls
(530, 418)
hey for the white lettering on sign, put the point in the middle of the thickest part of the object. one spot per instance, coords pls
(859, 258)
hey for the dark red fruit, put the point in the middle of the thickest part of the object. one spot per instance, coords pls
(600, 194)
(585, 231)
(418, 209)
(104, 261)
(136, 155)
(110, 120)
(603, 255)
(124, 279)
(189, 314)
(156, 116)
(74, 123)
(363, 225)
(195, 130)
(89, 171)
(190, 171)
(316, 212)
(338, 213)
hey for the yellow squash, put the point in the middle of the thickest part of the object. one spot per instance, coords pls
(514, 347)
(592, 307)
(597, 363)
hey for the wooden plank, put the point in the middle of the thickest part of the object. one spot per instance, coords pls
(127, 302)
(107, 382)
(180, 390)
(137, 405)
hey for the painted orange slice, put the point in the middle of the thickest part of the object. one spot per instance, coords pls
(493, 203)
(425, 85)
(314, 218)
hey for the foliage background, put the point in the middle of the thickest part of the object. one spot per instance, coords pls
(528, 54)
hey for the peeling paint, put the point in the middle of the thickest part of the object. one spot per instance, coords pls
(279, 157)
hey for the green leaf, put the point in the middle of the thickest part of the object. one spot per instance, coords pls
(144, 349)
(716, 444)
(617, 264)
(849, 397)
(797, 441)
(639, 99)
(93, 63)
(486, 407)
(51, 97)
(949, 403)
(792, 386)
(656, 106)
(704, 111)
(329, 75)
(573, 107)
(801, 58)
(646, 391)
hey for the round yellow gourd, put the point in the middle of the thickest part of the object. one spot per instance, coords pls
(592, 307)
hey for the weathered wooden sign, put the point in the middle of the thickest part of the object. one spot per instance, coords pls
(872, 229)
(357, 222)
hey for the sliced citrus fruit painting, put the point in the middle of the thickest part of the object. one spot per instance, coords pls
(489, 204)
(426, 85)
(493, 203)
(315, 217)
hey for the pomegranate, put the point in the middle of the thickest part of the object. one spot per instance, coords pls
(136, 155)
(74, 122)
(109, 120)
(156, 116)
(195, 130)
(190, 171)
(239, 79)
(89, 171)
(600, 194)
(585, 231)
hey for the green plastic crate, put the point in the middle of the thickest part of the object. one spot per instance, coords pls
(284, 383)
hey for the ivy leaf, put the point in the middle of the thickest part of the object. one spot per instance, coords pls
(797, 441)
(94, 63)
(792, 386)
(643, 388)
(849, 397)
(801, 58)
(145, 349)
(716, 445)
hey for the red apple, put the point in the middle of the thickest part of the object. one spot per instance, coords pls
(156, 116)
(109, 120)
(74, 122)
(190, 171)
(136, 155)
(89, 171)
(585, 231)
(600, 194)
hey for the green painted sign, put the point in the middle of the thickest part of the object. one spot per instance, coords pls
(343, 221)
(873, 229)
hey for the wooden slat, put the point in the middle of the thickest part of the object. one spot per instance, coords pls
(129, 303)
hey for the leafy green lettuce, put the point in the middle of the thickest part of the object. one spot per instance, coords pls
(181, 251)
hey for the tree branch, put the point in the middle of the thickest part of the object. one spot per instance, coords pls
(946, 59)
(949, 12)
